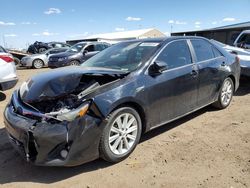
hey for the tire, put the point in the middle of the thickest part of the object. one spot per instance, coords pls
(38, 63)
(74, 63)
(225, 95)
(17, 61)
(42, 50)
(117, 144)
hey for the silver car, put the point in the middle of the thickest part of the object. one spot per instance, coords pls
(38, 61)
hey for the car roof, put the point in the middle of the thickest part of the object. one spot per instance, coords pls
(166, 39)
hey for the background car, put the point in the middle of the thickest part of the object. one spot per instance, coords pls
(243, 54)
(39, 47)
(73, 115)
(243, 40)
(38, 61)
(8, 77)
(77, 54)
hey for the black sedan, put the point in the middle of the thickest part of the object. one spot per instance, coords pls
(70, 116)
(77, 54)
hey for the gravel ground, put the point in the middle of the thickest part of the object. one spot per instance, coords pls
(208, 148)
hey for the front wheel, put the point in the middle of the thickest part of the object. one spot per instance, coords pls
(121, 134)
(225, 95)
(38, 63)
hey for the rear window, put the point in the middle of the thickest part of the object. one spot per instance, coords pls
(203, 50)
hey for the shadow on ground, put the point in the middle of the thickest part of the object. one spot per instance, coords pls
(2, 96)
(14, 169)
(244, 88)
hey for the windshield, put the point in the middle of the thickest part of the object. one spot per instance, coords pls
(126, 56)
(76, 48)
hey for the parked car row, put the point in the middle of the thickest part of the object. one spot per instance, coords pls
(72, 115)
(75, 55)
(38, 61)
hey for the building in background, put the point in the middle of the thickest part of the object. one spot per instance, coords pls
(225, 34)
(116, 37)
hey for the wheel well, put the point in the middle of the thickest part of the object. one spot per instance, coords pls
(37, 59)
(139, 109)
(233, 79)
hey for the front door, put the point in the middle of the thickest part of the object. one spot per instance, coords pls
(175, 89)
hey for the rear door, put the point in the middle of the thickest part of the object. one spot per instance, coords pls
(210, 63)
(175, 90)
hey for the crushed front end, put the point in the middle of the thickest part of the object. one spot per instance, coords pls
(45, 141)
(50, 121)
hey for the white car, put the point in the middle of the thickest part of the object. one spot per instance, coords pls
(8, 77)
(243, 55)
(243, 40)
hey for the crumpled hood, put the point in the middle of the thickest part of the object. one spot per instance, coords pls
(59, 82)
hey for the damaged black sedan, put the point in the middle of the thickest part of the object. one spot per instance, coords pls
(70, 116)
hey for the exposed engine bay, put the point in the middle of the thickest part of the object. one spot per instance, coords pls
(63, 94)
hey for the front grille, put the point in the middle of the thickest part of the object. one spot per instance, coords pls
(53, 59)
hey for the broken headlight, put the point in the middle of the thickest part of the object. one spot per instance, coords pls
(73, 114)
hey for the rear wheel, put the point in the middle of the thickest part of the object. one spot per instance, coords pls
(225, 95)
(38, 63)
(121, 134)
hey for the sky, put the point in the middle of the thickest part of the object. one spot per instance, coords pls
(23, 22)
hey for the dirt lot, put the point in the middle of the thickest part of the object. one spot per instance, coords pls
(206, 149)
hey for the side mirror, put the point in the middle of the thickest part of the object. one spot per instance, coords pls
(157, 68)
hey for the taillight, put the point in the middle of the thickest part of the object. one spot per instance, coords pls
(7, 59)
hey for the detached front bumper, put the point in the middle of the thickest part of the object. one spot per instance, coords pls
(53, 144)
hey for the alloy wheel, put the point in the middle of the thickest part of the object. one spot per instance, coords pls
(123, 133)
(226, 93)
(38, 64)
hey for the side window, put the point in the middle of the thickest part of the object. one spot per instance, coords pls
(90, 48)
(216, 52)
(99, 47)
(58, 45)
(203, 49)
(247, 41)
(176, 54)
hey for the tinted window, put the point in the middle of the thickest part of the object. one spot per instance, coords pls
(90, 48)
(203, 50)
(99, 47)
(176, 54)
(217, 53)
